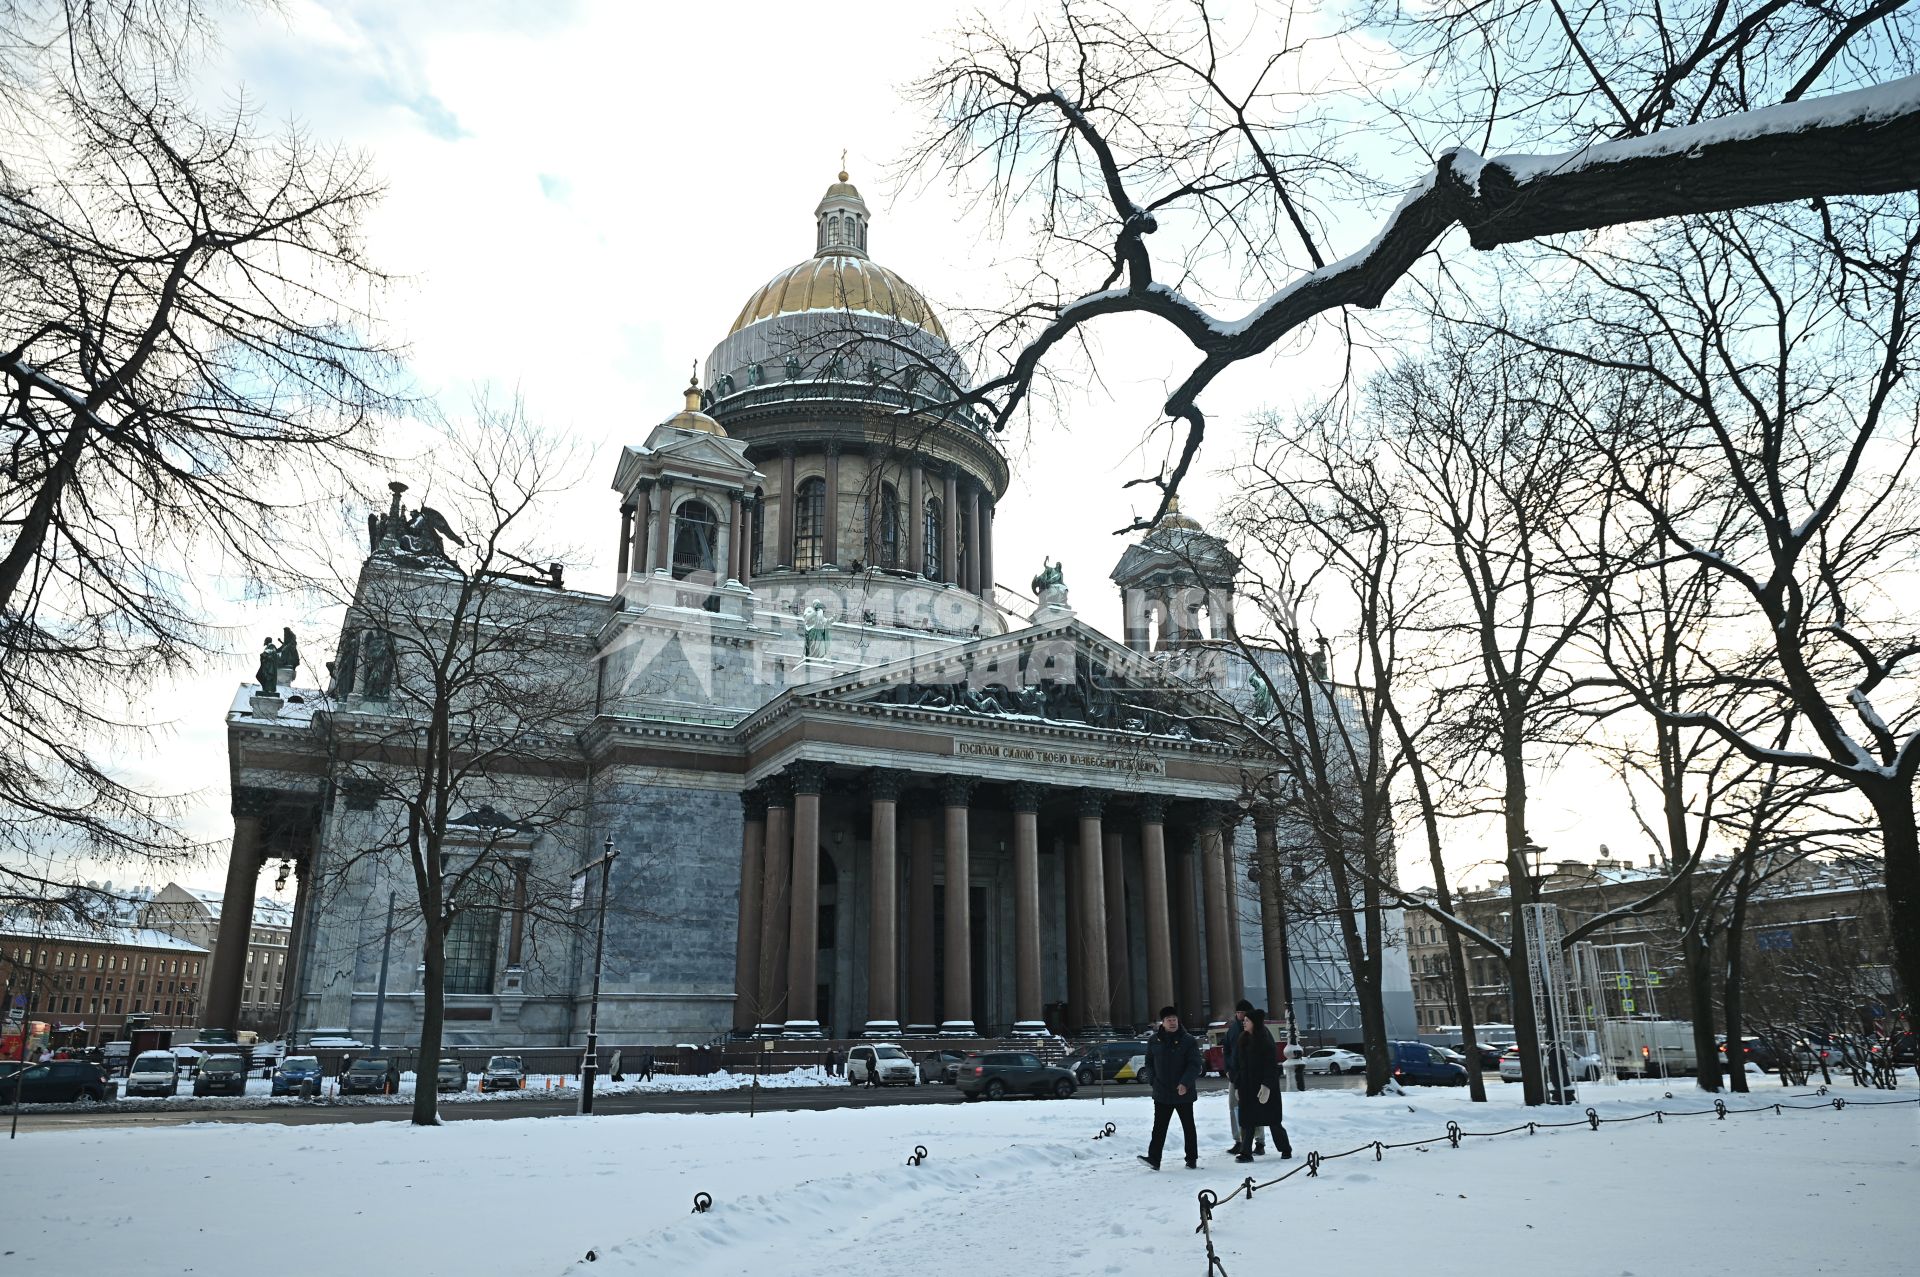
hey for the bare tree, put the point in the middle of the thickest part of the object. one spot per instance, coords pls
(1315, 500)
(1781, 346)
(1237, 147)
(180, 358)
(457, 706)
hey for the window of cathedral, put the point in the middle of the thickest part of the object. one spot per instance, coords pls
(470, 944)
(696, 539)
(757, 546)
(930, 536)
(887, 535)
(810, 525)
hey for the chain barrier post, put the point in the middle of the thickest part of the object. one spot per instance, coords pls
(1453, 1134)
(1593, 1118)
(702, 1203)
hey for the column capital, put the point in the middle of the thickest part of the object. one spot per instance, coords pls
(776, 791)
(1026, 796)
(666, 483)
(252, 801)
(1222, 815)
(753, 804)
(643, 485)
(833, 448)
(1266, 818)
(955, 790)
(807, 777)
(1092, 802)
(787, 451)
(1153, 808)
(360, 793)
(627, 508)
(884, 784)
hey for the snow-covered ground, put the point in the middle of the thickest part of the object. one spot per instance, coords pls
(1012, 1187)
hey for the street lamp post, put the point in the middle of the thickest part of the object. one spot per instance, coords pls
(591, 1067)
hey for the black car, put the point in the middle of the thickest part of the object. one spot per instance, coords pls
(1489, 1055)
(220, 1075)
(1101, 1062)
(55, 1082)
(938, 1066)
(1755, 1051)
(999, 1074)
(372, 1075)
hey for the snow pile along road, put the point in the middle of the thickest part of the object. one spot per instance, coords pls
(1018, 1186)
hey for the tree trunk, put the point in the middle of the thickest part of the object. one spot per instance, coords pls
(1733, 997)
(1892, 801)
(426, 1068)
(1526, 1032)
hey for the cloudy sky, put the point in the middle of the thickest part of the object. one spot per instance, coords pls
(581, 196)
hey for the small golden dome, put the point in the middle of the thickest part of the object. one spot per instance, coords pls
(831, 283)
(691, 418)
(1174, 519)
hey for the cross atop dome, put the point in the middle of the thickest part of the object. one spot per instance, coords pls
(840, 220)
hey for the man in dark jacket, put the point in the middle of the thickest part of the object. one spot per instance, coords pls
(1256, 1080)
(1174, 1061)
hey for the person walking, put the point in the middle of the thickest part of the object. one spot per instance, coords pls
(1236, 1037)
(1172, 1072)
(1256, 1079)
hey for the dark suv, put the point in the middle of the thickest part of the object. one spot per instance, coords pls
(372, 1075)
(220, 1075)
(55, 1082)
(1100, 1062)
(1003, 1073)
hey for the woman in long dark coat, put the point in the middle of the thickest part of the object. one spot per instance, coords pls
(1256, 1078)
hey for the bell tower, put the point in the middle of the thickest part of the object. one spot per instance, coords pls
(1176, 586)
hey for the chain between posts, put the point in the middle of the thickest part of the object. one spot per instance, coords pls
(1591, 1119)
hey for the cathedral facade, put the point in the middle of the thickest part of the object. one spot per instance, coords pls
(853, 789)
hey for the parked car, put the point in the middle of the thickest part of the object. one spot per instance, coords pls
(1756, 1051)
(1489, 1054)
(1418, 1064)
(938, 1066)
(503, 1073)
(1108, 1061)
(154, 1073)
(999, 1074)
(881, 1064)
(1581, 1067)
(220, 1075)
(372, 1075)
(55, 1082)
(1335, 1059)
(1899, 1049)
(299, 1075)
(1451, 1056)
(450, 1076)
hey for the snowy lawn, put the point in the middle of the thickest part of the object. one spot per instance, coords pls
(1019, 1186)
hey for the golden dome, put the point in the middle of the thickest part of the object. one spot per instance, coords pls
(1174, 519)
(691, 418)
(829, 283)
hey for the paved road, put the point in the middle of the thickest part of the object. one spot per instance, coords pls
(784, 1099)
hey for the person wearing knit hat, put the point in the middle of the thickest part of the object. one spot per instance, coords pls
(1172, 1072)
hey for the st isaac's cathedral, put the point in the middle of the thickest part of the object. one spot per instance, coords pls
(856, 787)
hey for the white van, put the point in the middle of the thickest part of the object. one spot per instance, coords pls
(882, 1064)
(154, 1073)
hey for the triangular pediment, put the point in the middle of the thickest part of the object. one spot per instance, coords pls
(698, 450)
(1063, 673)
